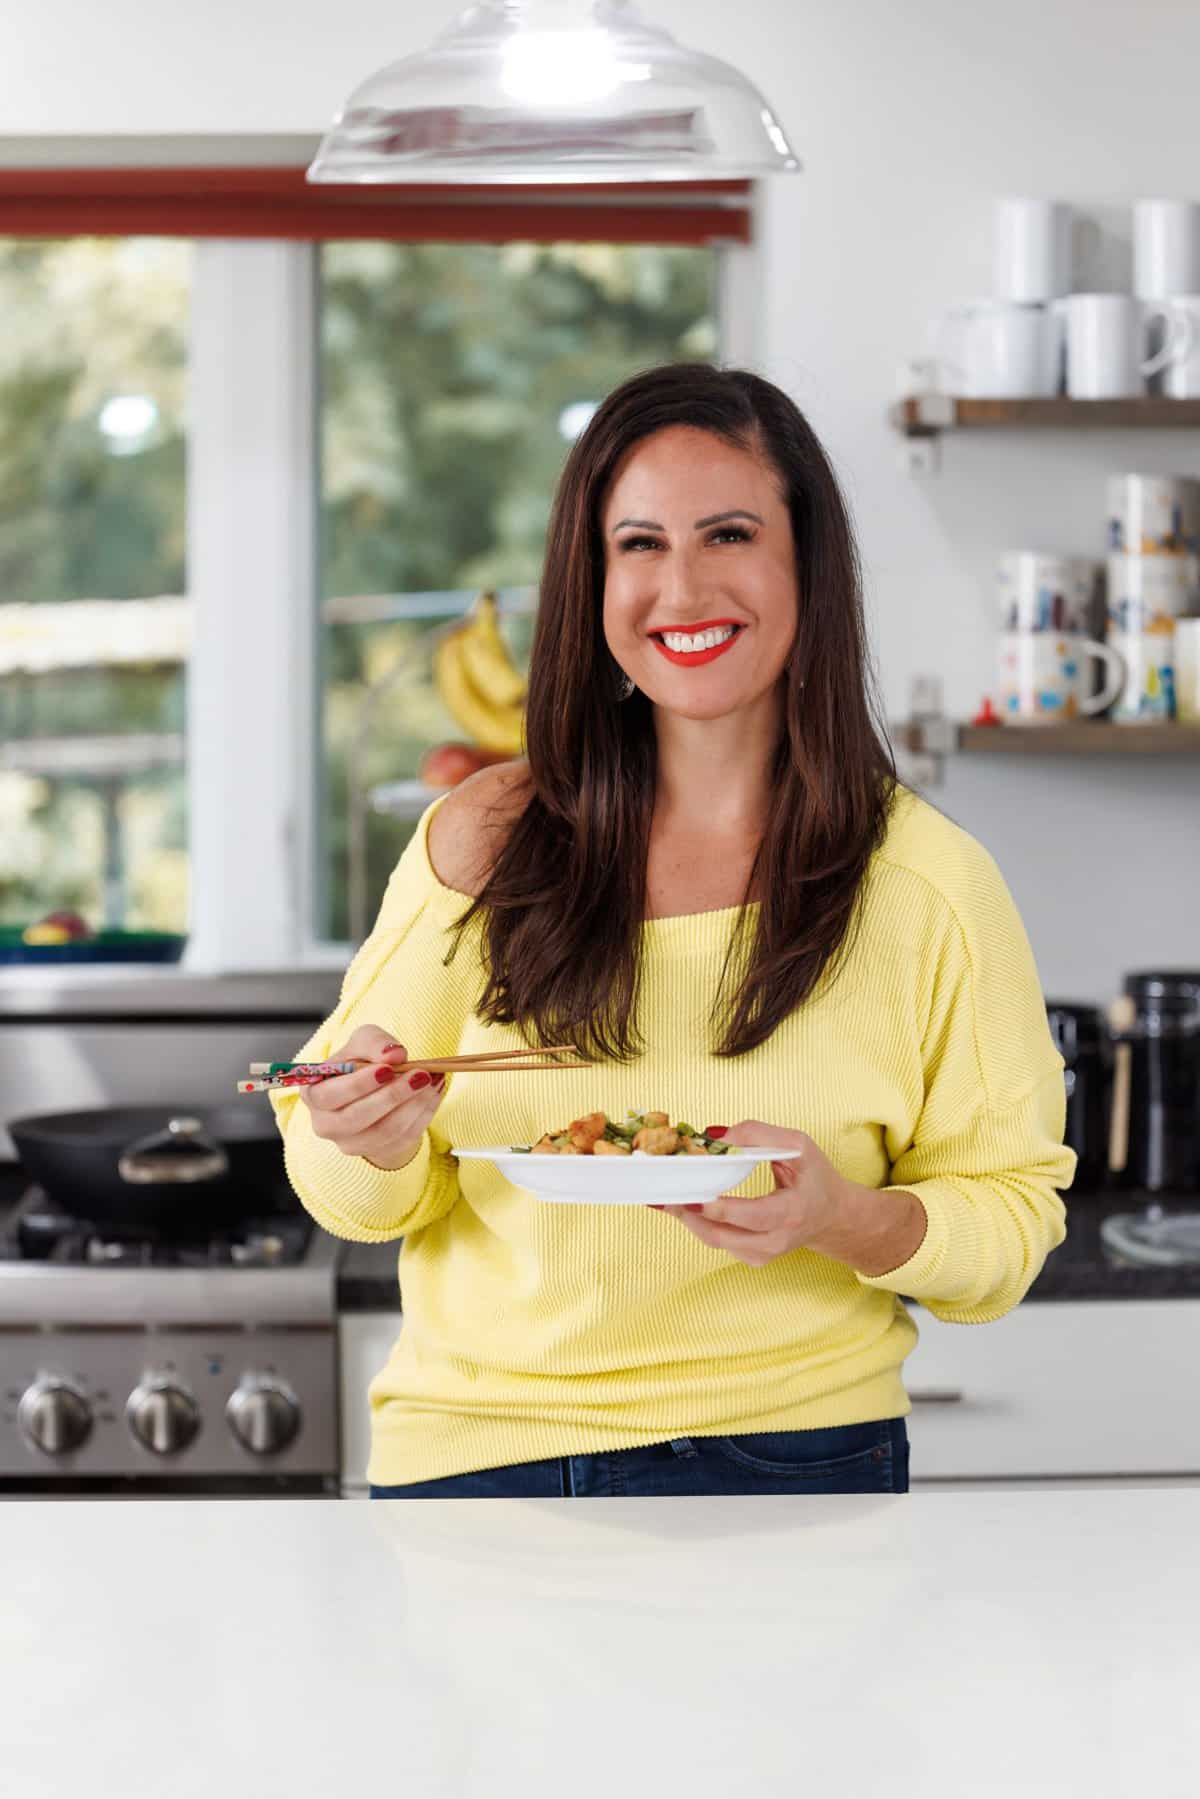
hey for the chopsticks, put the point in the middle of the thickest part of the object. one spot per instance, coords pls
(273, 1075)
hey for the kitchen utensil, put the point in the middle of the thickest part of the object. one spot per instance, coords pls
(1042, 677)
(1153, 514)
(1039, 592)
(500, 1061)
(1106, 341)
(1031, 248)
(634, 1180)
(1166, 248)
(176, 1168)
(1187, 670)
(1148, 593)
(1155, 1140)
(1148, 695)
(1080, 1037)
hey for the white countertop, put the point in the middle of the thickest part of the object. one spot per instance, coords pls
(969, 1644)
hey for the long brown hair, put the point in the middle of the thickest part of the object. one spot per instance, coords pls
(566, 893)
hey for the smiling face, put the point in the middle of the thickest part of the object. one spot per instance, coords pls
(697, 534)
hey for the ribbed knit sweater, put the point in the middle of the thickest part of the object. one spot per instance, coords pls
(533, 1329)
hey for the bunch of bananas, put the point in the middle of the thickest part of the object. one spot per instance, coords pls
(480, 685)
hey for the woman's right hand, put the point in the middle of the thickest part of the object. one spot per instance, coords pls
(374, 1112)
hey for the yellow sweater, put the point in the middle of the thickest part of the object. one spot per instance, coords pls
(532, 1329)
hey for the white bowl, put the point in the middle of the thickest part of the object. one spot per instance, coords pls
(635, 1180)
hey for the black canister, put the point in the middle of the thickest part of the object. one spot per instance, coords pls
(1161, 1052)
(1081, 1039)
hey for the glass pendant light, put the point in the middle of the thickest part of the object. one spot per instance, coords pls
(553, 91)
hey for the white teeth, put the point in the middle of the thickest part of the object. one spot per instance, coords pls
(702, 640)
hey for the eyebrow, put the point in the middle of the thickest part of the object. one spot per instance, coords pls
(714, 518)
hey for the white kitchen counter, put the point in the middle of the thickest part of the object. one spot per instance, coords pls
(970, 1644)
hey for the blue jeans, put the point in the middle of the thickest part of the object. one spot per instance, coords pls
(847, 1458)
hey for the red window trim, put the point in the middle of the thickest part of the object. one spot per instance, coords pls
(280, 203)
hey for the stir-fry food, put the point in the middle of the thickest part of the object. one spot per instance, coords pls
(639, 1133)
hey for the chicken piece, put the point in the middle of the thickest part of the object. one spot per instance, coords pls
(657, 1140)
(692, 1148)
(545, 1145)
(569, 1149)
(584, 1131)
(603, 1147)
(653, 1118)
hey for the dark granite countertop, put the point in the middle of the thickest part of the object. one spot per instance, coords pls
(1082, 1268)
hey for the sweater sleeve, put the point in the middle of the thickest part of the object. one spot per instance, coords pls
(986, 1157)
(396, 980)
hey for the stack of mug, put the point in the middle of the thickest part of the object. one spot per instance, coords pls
(1050, 606)
(1153, 597)
(1034, 337)
(1047, 646)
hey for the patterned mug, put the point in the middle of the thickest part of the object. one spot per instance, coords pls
(1043, 677)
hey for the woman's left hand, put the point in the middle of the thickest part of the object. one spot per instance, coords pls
(801, 1209)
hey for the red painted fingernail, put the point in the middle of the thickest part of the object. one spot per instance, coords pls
(383, 1075)
(655, 1208)
(693, 1208)
(393, 1049)
(716, 1130)
(418, 1080)
(439, 1079)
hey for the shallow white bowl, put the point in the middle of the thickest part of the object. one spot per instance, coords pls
(636, 1180)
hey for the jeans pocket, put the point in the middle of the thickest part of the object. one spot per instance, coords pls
(842, 1452)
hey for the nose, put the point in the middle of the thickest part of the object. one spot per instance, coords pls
(678, 588)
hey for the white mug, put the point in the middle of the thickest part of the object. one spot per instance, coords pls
(1005, 351)
(1146, 593)
(1106, 340)
(1181, 380)
(1187, 670)
(1148, 696)
(1153, 515)
(1166, 248)
(1031, 249)
(1042, 677)
(1039, 592)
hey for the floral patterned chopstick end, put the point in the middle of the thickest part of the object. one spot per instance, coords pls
(272, 1075)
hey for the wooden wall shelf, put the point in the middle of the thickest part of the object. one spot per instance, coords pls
(928, 415)
(940, 738)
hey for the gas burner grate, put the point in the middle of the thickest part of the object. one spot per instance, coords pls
(42, 1231)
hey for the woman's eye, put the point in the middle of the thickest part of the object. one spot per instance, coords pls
(731, 533)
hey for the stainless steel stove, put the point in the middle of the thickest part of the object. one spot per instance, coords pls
(131, 1363)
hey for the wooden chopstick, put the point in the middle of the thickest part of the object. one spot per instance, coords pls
(273, 1075)
(494, 1061)
(491, 1055)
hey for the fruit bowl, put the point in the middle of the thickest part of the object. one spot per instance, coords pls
(636, 1180)
(103, 946)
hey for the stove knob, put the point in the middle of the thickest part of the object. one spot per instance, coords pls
(54, 1417)
(263, 1415)
(162, 1416)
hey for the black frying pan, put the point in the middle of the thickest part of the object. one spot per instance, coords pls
(178, 1169)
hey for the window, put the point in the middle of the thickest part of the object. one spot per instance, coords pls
(454, 377)
(379, 388)
(93, 626)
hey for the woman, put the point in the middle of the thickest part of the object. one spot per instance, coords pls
(705, 875)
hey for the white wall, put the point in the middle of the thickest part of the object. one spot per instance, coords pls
(909, 119)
